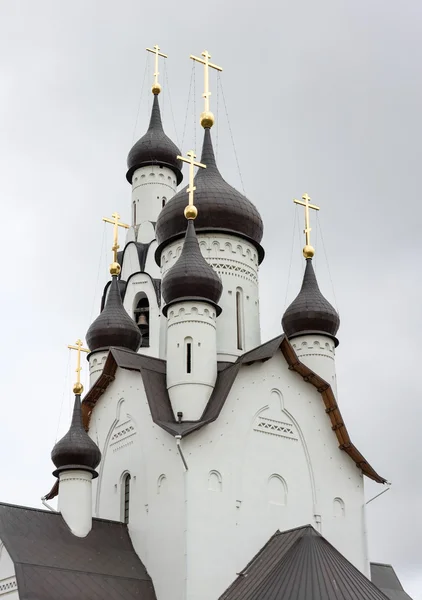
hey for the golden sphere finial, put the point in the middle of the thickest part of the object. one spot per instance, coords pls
(78, 388)
(191, 212)
(156, 89)
(207, 119)
(115, 268)
(308, 251)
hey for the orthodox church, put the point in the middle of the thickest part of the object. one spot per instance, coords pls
(201, 463)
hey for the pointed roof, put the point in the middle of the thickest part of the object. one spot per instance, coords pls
(191, 277)
(220, 207)
(154, 148)
(384, 577)
(76, 450)
(300, 564)
(113, 326)
(310, 312)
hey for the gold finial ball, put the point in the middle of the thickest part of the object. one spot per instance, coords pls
(115, 268)
(78, 388)
(156, 89)
(207, 119)
(191, 212)
(308, 251)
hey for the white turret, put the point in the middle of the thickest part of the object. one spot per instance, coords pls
(191, 290)
(311, 324)
(76, 457)
(229, 230)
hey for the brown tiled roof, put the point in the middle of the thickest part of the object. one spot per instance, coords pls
(300, 564)
(51, 563)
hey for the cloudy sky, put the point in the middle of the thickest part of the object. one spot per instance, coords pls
(322, 97)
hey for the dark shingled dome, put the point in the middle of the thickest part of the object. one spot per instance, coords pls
(76, 450)
(113, 326)
(220, 207)
(310, 312)
(154, 148)
(191, 277)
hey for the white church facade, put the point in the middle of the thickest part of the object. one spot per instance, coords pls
(201, 463)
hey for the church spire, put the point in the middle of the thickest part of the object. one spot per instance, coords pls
(154, 148)
(310, 312)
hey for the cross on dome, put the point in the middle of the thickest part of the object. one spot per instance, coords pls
(308, 250)
(207, 118)
(191, 210)
(115, 218)
(156, 88)
(78, 388)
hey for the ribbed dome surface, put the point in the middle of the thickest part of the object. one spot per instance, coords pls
(76, 450)
(113, 326)
(310, 312)
(220, 207)
(154, 148)
(191, 277)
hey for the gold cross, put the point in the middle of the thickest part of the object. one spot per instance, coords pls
(207, 118)
(78, 388)
(115, 218)
(190, 210)
(308, 251)
(156, 88)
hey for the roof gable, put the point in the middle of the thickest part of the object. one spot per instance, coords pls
(300, 564)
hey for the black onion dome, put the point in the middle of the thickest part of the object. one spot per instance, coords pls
(76, 450)
(191, 277)
(113, 326)
(310, 312)
(154, 148)
(219, 205)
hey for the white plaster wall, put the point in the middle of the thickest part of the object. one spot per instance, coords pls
(8, 584)
(273, 423)
(138, 284)
(236, 262)
(318, 352)
(270, 461)
(149, 186)
(190, 392)
(131, 443)
(130, 262)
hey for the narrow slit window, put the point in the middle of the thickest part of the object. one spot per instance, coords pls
(134, 213)
(189, 357)
(239, 319)
(126, 499)
(164, 200)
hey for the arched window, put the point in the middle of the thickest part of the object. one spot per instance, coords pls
(239, 319)
(188, 354)
(126, 497)
(134, 212)
(277, 490)
(163, 201)
(141, 316)
(338, 507)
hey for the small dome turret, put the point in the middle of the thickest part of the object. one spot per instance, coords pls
(113, 326)
(76, 450)
(310, 312)
(154, 148)
(220, 207)
(191, 277)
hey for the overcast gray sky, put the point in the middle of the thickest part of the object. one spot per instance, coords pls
(323, 97)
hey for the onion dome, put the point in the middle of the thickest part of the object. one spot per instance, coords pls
(76, 450)
(154, 148)
(220, 207)
(191, 278)
(310, 312)
(113, 326)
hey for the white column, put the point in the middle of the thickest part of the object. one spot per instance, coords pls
(191, 357)
(75, 500)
